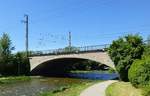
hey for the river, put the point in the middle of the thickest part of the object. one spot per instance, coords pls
(36, 86)
(39, 85)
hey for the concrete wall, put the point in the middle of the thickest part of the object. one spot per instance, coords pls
(101, 57)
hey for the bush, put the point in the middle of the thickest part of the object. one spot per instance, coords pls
(146, 91)
(139, 73)
(124, 51)
(22, 62)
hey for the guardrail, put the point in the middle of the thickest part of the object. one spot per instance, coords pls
(70, 50)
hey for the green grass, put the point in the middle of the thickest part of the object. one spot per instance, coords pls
(122, 89)
(8, 80)
(71, 90)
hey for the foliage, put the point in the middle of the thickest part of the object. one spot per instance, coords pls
(5, 45)
(124, 51)
(146, 91)
(11, 64)
(86, 65)
(23, 66)
(111, 70)
(5, 54)
(147, 48)
(146, 51)
(139, 73)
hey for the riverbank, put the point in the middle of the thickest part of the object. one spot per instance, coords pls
(122, 89)
(8, 80)
(70, 90)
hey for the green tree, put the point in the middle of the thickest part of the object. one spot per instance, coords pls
(12, 64)
(147, 48)
(5, 53)
(146, 51)
(124, 51)
(23, 66)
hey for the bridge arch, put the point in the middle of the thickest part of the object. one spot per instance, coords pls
(61, 66)
(101, 57)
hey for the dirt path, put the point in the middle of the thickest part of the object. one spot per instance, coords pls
(97, 89)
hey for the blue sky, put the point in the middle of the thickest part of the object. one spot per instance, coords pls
(92, 22)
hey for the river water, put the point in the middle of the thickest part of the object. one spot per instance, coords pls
(39, 85)
(36, 86)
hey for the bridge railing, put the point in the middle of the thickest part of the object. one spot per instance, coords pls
(70, 50)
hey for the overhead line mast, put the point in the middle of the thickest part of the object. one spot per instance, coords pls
(70, 39)
(26, 21)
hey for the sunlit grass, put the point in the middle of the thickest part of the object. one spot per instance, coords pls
(70, 90)
(122, 89)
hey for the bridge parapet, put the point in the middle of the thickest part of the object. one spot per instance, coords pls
(70, 50)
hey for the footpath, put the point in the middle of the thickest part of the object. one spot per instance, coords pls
(97, 89)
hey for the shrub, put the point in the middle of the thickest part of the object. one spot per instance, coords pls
(139, 73)
(124, 51)
(146, 91)
(22, 62)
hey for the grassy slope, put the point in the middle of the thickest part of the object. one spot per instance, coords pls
(122, 89)
(72, 90)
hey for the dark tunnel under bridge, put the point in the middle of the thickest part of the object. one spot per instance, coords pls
(62, 66)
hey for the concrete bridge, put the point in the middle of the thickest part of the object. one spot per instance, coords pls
(95, 53)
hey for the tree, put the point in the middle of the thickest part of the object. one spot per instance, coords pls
(23, 66)
(12, 64)
(86, 65)
(147, 48)
(5, 52)
(124, 51)
(146, 51)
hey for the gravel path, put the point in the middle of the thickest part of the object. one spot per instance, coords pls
(97, 89)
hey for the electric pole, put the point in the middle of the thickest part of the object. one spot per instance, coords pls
(70, 39)
(26, 21)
